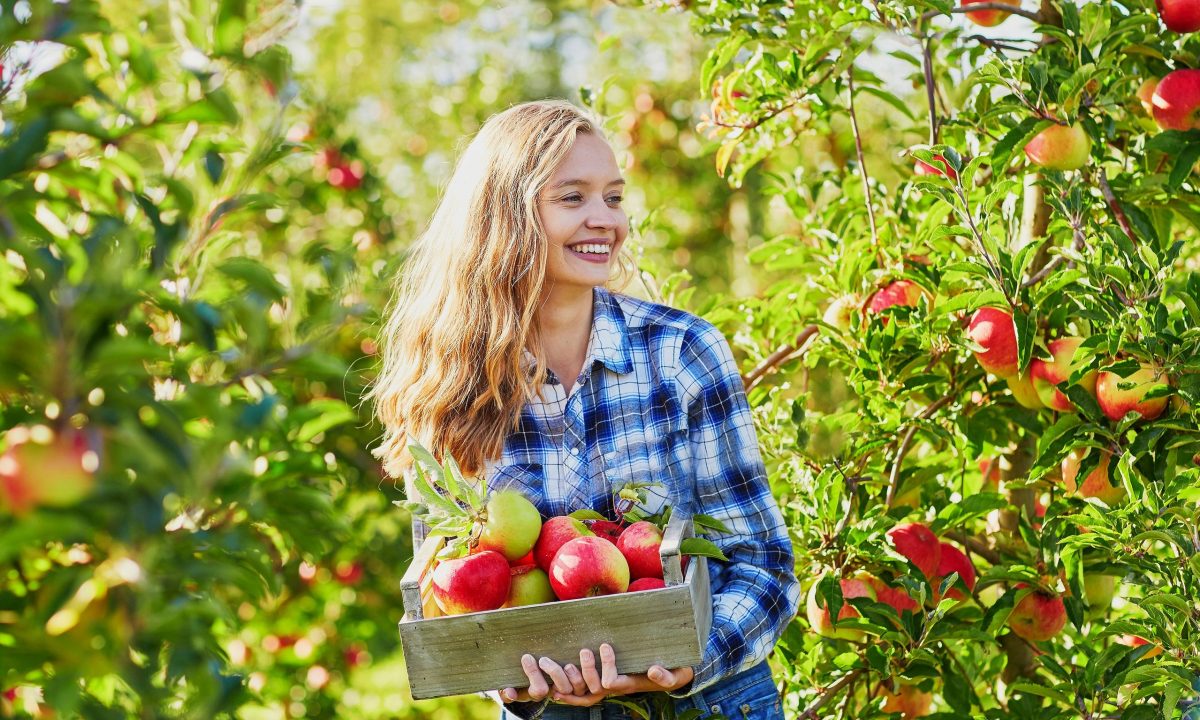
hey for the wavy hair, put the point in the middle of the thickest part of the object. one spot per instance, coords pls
(454, 376)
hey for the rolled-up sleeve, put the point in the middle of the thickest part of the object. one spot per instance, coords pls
(755, 594)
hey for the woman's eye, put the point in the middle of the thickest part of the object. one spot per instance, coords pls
(615, 199)
(575, 197)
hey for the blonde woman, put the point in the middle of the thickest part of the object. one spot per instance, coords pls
(506, 348)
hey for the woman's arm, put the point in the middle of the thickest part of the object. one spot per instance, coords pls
(756, 593)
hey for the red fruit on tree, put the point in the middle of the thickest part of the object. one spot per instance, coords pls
(1138, 641)
(924, 168)
(1097, 484)
(917, 543)
(989, 18)
(587, 567)
(348, 572)
(908, 700)
(1047, 374)
(1060, 147)
(1119, 396)
(1145, 94)
(41, 468)
(819, 616)
(640, 543)
(1176, 100)
(901, 292)
(1181, 16)
(954, 560)
(896, 597)
(993, 330)
(1039, 616)
(474, 583)
(556, 532)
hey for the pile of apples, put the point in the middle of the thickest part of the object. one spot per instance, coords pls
(515, 559)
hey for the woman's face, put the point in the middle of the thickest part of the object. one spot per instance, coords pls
(582, 216)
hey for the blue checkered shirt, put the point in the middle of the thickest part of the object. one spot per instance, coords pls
(660, 398)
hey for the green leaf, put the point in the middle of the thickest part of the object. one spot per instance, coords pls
(702, 548)
(708, 522)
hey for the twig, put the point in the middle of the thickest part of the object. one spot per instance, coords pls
(862, 167)
(1113, 205)
(1055, 261)
(752, 378)
(976, 546)
(927, 67)
(828, 694)
(906, 443)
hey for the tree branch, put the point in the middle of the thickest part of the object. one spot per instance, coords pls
(862, 166)
(906, 444)
(927, 68)
(828, 694)
(1111, 199)
(777, 358)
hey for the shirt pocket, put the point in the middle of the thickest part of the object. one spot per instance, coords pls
(647, 458)
(522, 475)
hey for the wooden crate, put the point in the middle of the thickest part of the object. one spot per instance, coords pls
(456, 654)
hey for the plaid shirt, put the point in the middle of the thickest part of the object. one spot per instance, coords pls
(660, 398)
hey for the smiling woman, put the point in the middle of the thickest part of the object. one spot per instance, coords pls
(506, 349)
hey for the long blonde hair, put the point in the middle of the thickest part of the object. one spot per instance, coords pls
(463, 313)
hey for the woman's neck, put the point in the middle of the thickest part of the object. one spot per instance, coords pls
(564, 324)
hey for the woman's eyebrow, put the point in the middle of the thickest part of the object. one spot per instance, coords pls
(567, 183)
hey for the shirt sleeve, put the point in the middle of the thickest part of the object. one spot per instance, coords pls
(755, 594)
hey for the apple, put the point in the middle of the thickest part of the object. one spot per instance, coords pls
(1138, 641)
(841, 312)
(646, 583)
(1047, 374)
(909, 700)
(917, 543)
(1099, 590)
(606, 529)
(43, 468)
(818, 615)
(1181, 16)
(1098, 484)
(473, 583)
(348, 572)
(1023, 391)
(993, 330)
(639, 543)
(528, 585)
(954, 560)
(989, 18)
(924, 168)
(990, 469)
(1176, 100)
(1118, 396)
(556, 532)
(1039, 616)
(1060, 147)
(511, 524)
(896, 597)
(1145, 94)
(900, 292)
(527, 558)
(587, 567)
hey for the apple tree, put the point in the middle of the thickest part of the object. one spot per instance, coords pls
(976, 363)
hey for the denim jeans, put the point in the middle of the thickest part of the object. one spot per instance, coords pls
(749, 695)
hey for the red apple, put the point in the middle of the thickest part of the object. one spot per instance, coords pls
(556, 532)
(1118, 396)
(1097, 484)
(1181, 16)
(606, 529)
(993, 330)
(1177, 99)
(917, 543)
(908, 700)
(1038, 616)
(473, 583)
(1138, 641)
(924, 168)
(1099, 591)
(639, 543)
(511, 525)
(348, 572)
(990, 469)
(347, 176)
(1060, 147)
(529, 585)
(646, 583)
(989, 18)
(954, 560)
(842, 311)
(587, 567)
(1047, 374)
(900, 292)
(896, 597)
(527, 558)
(1023, 391)
(818, 614)
(41, 468)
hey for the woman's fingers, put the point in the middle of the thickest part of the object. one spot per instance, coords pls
(538, 688)
(557, 676)
(591, 676)
(578, 686)
(661, 676)
(608, 667)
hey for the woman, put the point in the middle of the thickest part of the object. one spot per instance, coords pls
(504, 349)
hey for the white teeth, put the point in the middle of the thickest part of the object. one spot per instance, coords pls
(595, 249)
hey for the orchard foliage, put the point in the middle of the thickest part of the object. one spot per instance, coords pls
(873, 418)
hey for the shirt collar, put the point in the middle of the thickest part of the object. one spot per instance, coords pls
(610, 335)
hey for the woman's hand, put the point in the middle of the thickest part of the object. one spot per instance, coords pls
(586, 685)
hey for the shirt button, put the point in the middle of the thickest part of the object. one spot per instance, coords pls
(574, 451)
(715, 708)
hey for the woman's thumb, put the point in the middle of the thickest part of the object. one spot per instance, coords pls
(661, 676)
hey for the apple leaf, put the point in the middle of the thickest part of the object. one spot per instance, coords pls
(708, 522)
(701, 548)
(586, 514)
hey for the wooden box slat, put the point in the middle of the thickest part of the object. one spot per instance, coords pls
(452, 655)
